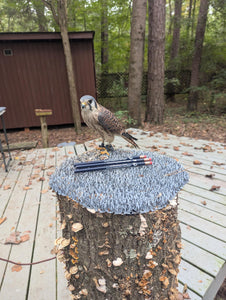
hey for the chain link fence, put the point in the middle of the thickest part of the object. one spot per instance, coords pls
(115, 85)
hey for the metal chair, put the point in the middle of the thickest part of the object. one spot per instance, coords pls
(6, 163)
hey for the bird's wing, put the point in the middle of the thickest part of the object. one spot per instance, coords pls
(108, 121)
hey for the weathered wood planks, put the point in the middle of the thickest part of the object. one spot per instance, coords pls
(201, 213)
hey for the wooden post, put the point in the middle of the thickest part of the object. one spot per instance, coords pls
(42, 113)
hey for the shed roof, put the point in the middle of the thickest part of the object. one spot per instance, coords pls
(20, 36)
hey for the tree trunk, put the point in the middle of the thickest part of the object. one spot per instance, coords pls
(196, 61)
(156, 48)
(110, 256)
(136, 59)
(104, 36)
(61, 18)
(189, 19)
(176, 32)
(173, 63)
(193, 20)
(62, 13)
(104, 47)
(170, 18)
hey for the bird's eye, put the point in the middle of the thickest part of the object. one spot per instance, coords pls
(90, 101)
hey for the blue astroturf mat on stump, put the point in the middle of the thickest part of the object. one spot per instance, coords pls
(130, 190)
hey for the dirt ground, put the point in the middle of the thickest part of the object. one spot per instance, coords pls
(201, 126)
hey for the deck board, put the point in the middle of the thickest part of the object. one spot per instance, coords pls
(23, 219)
(202, 224)
(203, 240)
(205, 193)
(62, 291)
(79, 149)
(192, 295)
(204, 260)
(206, 183)
(8, 183)
(197, 280)
(203, 202)
(201, 214)
(42, 281)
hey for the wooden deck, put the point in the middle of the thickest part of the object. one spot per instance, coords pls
(31, 208)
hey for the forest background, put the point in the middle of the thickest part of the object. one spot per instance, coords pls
(186, 34)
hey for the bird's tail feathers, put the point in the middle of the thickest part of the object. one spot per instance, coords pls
(129, 138)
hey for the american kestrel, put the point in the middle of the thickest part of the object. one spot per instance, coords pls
(103, 121)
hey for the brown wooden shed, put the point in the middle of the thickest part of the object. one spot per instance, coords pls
(33, 75)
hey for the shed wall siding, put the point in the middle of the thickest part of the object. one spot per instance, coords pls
(35, 77)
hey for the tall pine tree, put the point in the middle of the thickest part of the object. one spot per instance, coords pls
(136, 59)
(156, 48)
(196, 61)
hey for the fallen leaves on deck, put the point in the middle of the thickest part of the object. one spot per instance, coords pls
(16, 268)
(16, 237)
(211, 176)
(187, 154)
(208, 148)
(24, 238)
(183, 296)
(13, 238)
(217, 163)
(176, 148)
(6, 187)
(2, 220)
(197, 162)
(26, 188)
(214, 188)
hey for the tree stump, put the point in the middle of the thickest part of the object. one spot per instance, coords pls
(118, 256)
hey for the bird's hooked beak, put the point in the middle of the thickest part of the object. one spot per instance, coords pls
(83, 105)
(88, 103)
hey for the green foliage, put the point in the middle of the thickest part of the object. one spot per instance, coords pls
(175, 82)
(118, 89)
(218, 92)
(219, 80)
(213, 94)
(86, 15)
(213, 53)
(124, 116)
(22, 16)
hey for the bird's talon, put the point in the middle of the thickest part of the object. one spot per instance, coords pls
(109, 147)
(104, 152)
(103, 149)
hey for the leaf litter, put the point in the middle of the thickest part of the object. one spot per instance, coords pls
(16, 237)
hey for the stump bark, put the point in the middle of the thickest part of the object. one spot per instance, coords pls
(110, 256)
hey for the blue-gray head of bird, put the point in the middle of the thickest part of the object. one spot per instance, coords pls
(88, 102)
